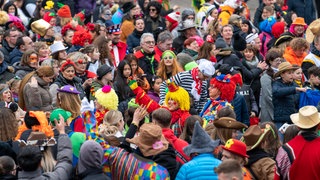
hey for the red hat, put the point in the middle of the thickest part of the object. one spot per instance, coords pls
(173, 18)
(81, 15)
(277, 29)
(80, 37)
(236, 147)
(66, 64)
(64, 12)
(48, 16)
(114, 29)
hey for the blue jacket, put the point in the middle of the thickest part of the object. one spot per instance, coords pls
(133, 40)
(200, 167)
(15, 56)
(240, 108)
(285, 100)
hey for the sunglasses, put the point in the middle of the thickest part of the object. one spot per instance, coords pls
(152, 9)
(168, 57)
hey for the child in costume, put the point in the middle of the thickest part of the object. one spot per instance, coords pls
(106, 99)
(177, 101)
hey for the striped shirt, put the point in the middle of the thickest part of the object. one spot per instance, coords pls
(185, 80)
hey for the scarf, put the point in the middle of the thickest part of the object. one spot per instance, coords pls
(197, 84)
(314, 50)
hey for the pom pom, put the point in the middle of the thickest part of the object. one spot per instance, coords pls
(106, 89)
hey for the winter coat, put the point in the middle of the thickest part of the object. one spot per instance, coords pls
(240, 108)
(15, 56)
(227, 57)
(148, 63)
(167, 159)
(292, 58)
(6, 50)
(155, 27)
(133, 40)
(5, 74)
(177, 44)
(200, 167)
(224, 16)
(285, 100)
(37, 97)
(63, 167)
(303, 8)
(61, 81)
(266, 98)
(261, 164)
(22, 71)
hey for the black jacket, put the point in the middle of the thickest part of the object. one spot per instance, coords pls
(76, 82)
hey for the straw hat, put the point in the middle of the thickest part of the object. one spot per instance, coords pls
(285, 66)
(228, 122)
(307, 117)
(254, 135)
(313, 30)
(150, 140)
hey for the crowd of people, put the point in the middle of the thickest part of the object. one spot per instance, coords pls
(139, 89)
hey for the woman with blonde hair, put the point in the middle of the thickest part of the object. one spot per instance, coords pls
(34, 90)
(112, 127)
(168, 66)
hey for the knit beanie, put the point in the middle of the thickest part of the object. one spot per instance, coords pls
(103, 70)
(173, 18)
(64, 12)
(277, 29)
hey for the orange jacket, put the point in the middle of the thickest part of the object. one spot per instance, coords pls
(292, 58)
(224, 16)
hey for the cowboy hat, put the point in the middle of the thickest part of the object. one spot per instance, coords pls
(187, 24)
(229, 123)
(307, 117)
(313, 30)
(284, 66)
(254, 135)
(150, 140)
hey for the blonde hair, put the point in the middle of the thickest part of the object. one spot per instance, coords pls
(69, 102)
(47, 161)
(110, 123)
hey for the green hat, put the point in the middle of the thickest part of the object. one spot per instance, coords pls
(55, 115)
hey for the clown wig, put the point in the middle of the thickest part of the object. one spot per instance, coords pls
(226, 85)
(179, 95)
(81, 37)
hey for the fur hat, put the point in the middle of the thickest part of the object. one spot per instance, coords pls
(64, 12)
(237, 147)
(107, 97)
(150, 140)
(40, 26)
(201, 142)
(307, 117)
(103, 70)
(230, 123)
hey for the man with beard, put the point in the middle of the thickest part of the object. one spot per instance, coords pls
(119, 48)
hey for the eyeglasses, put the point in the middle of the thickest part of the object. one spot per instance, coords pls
(152, 9)
(168, 57)
(149, 42)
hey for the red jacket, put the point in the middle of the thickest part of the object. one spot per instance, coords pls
(178, 145)
(122, 49)
(158, 53)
